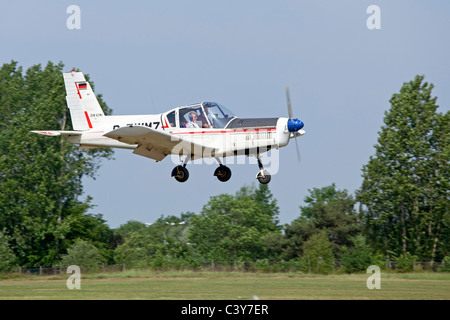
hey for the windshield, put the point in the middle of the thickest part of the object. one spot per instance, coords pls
(218, 115)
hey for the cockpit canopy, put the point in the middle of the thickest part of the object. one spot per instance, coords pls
(203, 115)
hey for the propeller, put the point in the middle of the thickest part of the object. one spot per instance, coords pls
(289, 104)
(294, 125)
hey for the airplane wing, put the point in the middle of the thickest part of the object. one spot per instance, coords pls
(155, 144)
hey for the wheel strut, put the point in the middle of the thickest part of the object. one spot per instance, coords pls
(263, 176)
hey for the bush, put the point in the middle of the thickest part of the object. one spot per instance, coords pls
(7, 256)
(445, 265)
(292, 265)
(318, 255)
(405, 262)
(262, 265)
(84, 255)
(358, 258)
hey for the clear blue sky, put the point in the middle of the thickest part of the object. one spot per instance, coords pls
(149, 56)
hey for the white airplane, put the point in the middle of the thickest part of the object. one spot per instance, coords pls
(202, 130)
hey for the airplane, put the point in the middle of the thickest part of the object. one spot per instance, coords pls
(201, 130)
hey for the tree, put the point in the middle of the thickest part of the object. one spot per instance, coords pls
(317, 254)
(41, 178)
(329, 210)
(405, 189)
(235, 227)
(161, 244)
(7, 257)
(84, 255)
(137, 250)
(359, 257)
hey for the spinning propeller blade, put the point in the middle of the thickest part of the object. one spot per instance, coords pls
(298, 152)
(291, 118)
(289, 104)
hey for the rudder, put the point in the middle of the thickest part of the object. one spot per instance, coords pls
(85, 110)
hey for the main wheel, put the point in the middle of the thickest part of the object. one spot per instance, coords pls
(263, 177)
(223, 173)
(180, 173)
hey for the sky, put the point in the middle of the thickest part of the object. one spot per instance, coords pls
(147, 57)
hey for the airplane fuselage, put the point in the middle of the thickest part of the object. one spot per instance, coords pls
(225, 141)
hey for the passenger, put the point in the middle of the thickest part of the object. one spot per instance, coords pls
(192, 120)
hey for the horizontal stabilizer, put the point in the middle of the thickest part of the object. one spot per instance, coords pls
(58, 133)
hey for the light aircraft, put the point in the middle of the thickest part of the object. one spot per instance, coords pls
(201, 130)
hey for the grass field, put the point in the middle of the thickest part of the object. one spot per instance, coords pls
(228, 286)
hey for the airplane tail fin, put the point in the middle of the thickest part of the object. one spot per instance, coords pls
(85, 110)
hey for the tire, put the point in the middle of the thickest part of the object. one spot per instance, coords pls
(264, 179)
(223, 173)
(180, 173)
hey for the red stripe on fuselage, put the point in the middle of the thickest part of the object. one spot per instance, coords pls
(226, 131)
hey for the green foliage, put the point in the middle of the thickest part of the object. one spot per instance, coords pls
(161, 245)
(40, 177)
(232, 227)
(405, 262)
(84, 255)
(7, 257)
(445, 264)
(357, 258)
(405, 191)
(317, 254)
(328, 210)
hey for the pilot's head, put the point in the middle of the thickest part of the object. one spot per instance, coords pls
(192, 115)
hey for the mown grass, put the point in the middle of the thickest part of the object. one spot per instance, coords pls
(190, 285)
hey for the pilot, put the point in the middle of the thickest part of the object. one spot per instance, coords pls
(192, 120)
(202, 118)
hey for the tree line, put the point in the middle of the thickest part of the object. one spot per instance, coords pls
(399, 215)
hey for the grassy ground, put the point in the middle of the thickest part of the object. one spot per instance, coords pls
(227, 286)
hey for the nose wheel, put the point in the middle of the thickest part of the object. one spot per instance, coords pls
(263, 176)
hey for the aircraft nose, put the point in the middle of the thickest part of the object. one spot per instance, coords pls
(294, 125)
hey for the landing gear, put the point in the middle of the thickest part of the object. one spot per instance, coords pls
(263, 176)
(180, 173)
(223, 173)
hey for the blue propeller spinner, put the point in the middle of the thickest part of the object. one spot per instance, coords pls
(294, 125)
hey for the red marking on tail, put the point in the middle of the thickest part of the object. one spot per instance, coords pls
(88, 120)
